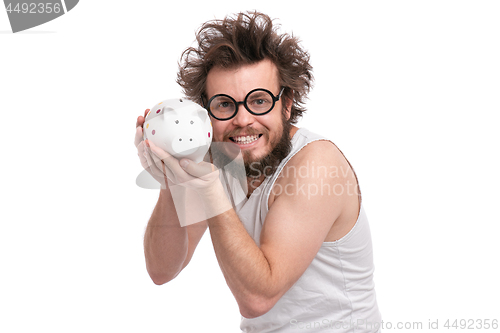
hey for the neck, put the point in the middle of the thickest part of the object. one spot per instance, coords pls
(253, 183)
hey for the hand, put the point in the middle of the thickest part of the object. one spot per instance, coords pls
(164, 168)
(200, 177)
(147, 161)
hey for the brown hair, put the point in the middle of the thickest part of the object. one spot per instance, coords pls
(246, 39)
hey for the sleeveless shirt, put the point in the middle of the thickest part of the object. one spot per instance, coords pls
(336, 292)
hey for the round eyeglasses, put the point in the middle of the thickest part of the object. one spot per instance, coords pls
(258, 102)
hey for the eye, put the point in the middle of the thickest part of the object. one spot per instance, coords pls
(191, 122)
(259, 102)
(176, 121)
(222, 104)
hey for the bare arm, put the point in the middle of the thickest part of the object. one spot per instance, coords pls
(295, 227)
(168, 247)
(293, 232)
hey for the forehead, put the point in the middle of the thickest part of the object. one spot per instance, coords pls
(238, 81)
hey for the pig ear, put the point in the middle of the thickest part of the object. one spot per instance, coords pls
(156, 111)
(202, 114)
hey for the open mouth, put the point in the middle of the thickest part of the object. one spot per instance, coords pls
(245, 139)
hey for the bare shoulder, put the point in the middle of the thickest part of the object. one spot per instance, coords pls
(320, 158)
(319, 171)
(319, 149)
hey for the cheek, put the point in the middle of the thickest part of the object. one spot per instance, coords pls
(218, 131)
(273, 126)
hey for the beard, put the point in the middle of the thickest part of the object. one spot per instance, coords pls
(222, 155)
(267, 165)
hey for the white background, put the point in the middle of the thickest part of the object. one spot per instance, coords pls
(408, 90)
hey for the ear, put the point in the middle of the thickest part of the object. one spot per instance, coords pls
(288, 103)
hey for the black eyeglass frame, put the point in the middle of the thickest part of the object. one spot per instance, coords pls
(244, 102)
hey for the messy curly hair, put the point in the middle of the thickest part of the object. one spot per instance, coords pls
(244, 39)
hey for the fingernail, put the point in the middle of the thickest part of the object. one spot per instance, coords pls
(184, 163)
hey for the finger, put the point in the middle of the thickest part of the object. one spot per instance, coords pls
(167, 173)
(159, 167)
(157, 151)
(148, 164)
(155, 169)
(146, 160)
(197, 170)
(138, 136)
(141, 152)
(141, 119)
(171, 162)
(155, 160)
(160, 163)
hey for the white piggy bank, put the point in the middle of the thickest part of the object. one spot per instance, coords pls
(180, 127)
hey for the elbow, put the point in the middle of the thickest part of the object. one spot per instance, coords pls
(250, 314)
(160, 279)
(159, 275)
(256, 307)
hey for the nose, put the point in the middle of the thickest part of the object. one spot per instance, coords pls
(243, 117)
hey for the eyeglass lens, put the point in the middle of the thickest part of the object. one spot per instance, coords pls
(259, 101)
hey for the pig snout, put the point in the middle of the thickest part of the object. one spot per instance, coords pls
(185, 144)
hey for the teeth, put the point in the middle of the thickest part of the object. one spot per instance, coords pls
(246, 139)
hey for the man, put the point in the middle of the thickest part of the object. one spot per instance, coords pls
(296, 253)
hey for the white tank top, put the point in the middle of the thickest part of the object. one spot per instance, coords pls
(336, 292)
